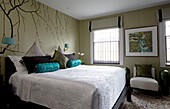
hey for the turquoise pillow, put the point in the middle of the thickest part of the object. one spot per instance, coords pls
(73, 63)
(46, 67)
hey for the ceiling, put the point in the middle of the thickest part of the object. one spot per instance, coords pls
(86, 9)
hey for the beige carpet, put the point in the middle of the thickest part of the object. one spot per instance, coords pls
(143, 100)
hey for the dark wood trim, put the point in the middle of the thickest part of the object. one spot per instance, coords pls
(9, 69)
(121, 98)
(129, 94)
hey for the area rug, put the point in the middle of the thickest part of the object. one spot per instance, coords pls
(146, 101)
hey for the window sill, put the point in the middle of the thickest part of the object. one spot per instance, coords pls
(165, 66)
(107, 64)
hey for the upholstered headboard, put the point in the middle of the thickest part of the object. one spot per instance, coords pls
(9, 69)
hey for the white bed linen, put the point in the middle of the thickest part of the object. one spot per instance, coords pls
(81, 87)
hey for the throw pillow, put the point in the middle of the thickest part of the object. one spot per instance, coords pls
(16, 60)
(46, 67)
(71, 56)
(143, 70)
(60, 50)
(30, 62)
(35, 51)
(74, 63)
(60, 58)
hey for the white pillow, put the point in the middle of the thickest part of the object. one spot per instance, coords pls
(35, 51)
(16, 60)
(60, 50)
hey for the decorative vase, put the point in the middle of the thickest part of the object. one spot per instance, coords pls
(164, 81)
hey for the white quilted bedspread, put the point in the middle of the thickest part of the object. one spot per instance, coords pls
(81, 87)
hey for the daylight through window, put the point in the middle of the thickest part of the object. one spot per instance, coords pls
(167, 34)
(106, 46)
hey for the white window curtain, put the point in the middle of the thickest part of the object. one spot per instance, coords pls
(162, 16)
(162, 44)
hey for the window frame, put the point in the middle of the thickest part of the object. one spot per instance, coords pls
(162, 44)
(167, 62)
(120, 47)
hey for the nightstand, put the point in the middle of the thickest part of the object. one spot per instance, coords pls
(5, 95)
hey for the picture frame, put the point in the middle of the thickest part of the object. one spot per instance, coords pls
(141, 41)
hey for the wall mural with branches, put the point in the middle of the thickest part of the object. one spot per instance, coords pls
(28, 21)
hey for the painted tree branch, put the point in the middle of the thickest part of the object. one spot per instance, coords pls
(15, 7)
(35, 11)
(11, 3)
(2, 2)
(38, 12)
(9, 20)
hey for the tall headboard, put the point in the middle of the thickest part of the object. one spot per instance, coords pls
(9, 69)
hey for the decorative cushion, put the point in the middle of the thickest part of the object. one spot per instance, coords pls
(73, 63)
(60, 50)
(16, 60)
(34, 51)
(46, 67)
(30, 62)
(60, 58)
(71, 56)
(143, 70)
(144, 83)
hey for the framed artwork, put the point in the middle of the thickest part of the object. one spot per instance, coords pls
(141, 41)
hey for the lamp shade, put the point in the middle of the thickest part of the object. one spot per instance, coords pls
(67, 45)
(8, 40)
(81, 53)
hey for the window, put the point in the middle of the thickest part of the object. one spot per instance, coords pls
(106, 41)
(163, 17)
(105, 46)
(167, 39)
(164, 37)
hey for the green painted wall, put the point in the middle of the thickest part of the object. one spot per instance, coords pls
(51, 28)
(33, 21)
(132, 19)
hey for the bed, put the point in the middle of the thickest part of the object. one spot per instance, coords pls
(81, 87)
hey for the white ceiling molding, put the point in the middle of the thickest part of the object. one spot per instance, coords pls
(86, 9)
